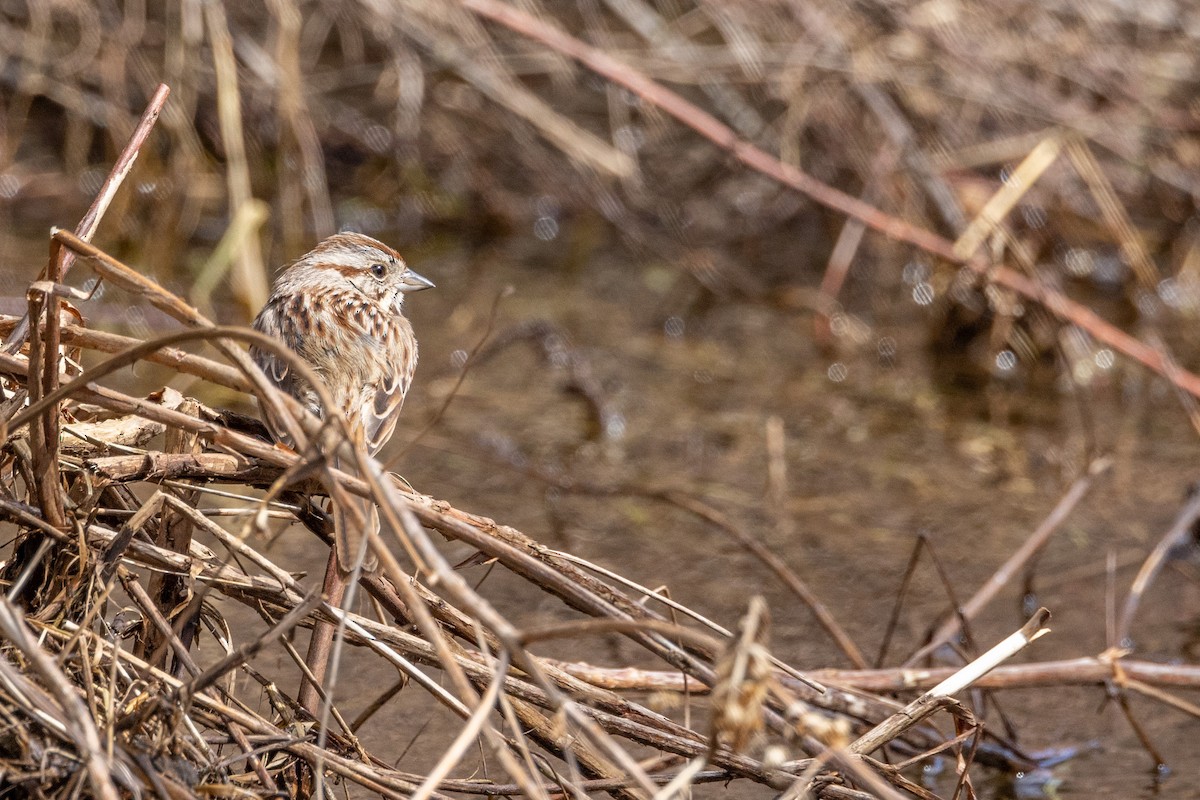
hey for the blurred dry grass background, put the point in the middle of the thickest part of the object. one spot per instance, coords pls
(422, 119)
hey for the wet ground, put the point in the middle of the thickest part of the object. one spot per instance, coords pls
(877, 449)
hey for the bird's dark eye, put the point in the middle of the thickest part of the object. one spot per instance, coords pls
(378, 270)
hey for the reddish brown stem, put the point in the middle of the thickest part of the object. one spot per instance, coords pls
(320, 646)
(43, 355)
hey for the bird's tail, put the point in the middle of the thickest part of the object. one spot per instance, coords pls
(351, 538)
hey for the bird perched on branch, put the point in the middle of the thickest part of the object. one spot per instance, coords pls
(340, 308)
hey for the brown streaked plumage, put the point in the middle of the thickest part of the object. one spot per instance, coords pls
(340, 307)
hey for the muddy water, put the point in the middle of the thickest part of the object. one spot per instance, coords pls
(875, 453)
(876, 450)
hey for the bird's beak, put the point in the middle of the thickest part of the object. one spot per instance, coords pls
(412, 282)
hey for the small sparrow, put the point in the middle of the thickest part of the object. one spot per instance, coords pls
(340, 308)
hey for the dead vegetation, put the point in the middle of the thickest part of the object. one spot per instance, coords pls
(1020, 161)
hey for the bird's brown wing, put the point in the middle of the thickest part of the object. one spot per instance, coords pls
(268, 322)
(399, 351)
